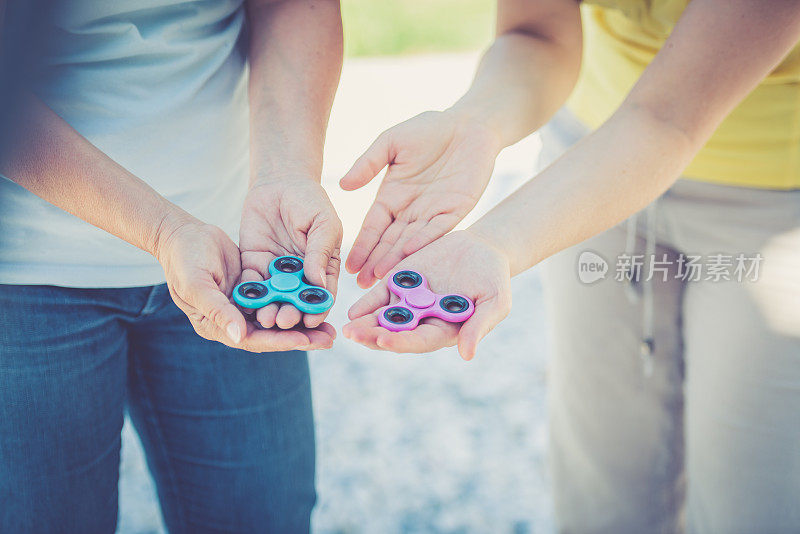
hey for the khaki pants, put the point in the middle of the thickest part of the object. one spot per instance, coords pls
(709, 441)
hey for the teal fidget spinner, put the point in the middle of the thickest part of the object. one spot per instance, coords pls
(285, 284)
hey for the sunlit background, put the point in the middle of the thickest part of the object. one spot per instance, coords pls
(416, 26)
(414, 443)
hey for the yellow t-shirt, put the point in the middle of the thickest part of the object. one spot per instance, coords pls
(758, 144)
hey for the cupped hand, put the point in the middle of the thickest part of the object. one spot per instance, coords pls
(438, 166)
(202, 266)
(291, 216)
(460, 262)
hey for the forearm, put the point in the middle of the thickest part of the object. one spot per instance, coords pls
(528, 72)
(49, 158)
(609, 175)
(295, 62)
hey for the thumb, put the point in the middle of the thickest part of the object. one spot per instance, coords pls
(368, 165)
(212, 303)
(321, 242)
(487, 315)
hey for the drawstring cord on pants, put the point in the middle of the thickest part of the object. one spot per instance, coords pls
(647, 346)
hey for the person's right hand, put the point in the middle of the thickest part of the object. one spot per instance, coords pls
(460, 262)
(290, 215)
(202, 266)
(439, 165)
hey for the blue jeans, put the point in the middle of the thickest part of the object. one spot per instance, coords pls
(229, 435)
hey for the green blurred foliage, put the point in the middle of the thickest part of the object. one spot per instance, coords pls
(391, 27)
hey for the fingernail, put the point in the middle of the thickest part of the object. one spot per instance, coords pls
(234, 332)
(322, 277)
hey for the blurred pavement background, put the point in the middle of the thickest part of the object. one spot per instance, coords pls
(424, 443)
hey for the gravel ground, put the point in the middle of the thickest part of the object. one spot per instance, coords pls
(413, 443)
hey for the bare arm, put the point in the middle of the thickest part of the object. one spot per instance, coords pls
(530, 69)
(46, 156)
(295, 61)
(718, 52)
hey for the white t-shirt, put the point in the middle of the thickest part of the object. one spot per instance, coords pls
(160, 86)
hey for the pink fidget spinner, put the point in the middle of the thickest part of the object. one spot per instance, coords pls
(418, 302)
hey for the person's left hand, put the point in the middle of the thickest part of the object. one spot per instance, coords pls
(290, 216)
(439, 164)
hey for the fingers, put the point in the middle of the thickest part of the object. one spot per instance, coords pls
(364, 331)
(328, 271)
(331, 278)
(282, 340)
(433, 230)
(487, 315)
(273, 340)
(375, 298)
(334, 267)
(266, 316)
(313, 320)
(212, 303)
(368, 165)
(375, 223)
(250, 275)
(427, 337)
(288, 316)
(368, 276)
(254, 265)
(395, 255)
(432, 335)
(323, 242)
(399, 240)
(257, 340)
(321, 337)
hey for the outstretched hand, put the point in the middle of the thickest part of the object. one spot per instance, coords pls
(439, 165)
(290, 217)
(459, 262)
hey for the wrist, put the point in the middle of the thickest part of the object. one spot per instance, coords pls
(477, 237)
(170, 224)
(478, 124)
(285, 164)
(285, 175)
(489, 237)
(479, 121)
